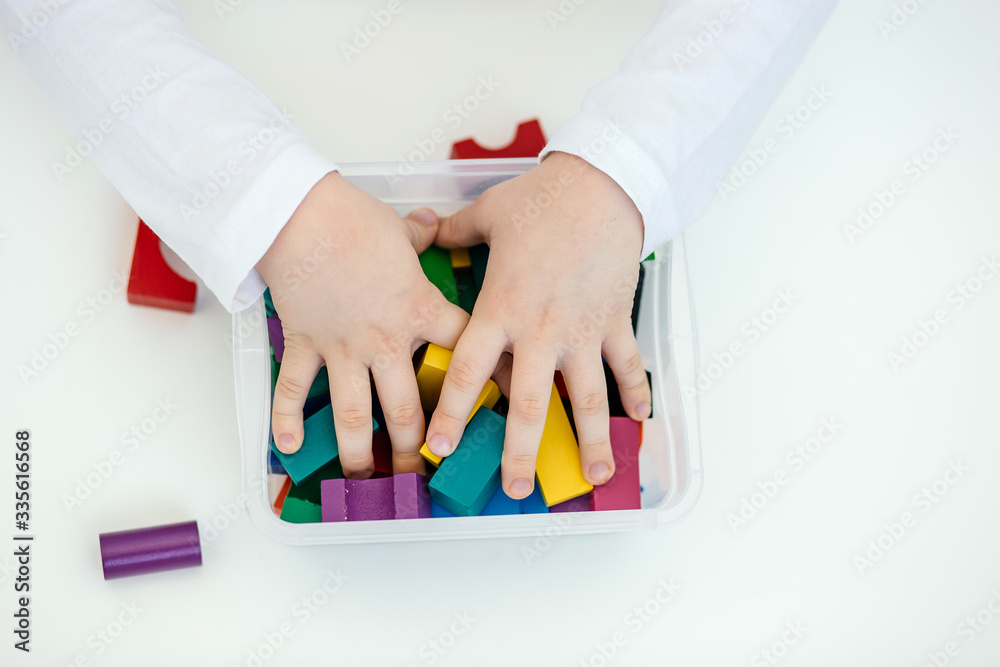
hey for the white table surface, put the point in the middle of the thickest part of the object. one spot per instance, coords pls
(825, 358)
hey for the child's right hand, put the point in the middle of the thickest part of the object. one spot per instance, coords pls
(349, 290)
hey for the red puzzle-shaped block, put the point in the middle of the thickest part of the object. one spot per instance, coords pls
(528, 142)
(152, 282)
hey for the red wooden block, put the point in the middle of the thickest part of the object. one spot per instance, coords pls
(382, 453)
(152, 282)
(621, 492)
(528, 142)
(279, 500)
(561, 385)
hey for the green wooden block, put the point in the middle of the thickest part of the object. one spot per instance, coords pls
(652, 255)
(309, 489)
(480, 256)
(467, 292)
(319, 447)
(466, 480)
(436, 263)
(297, 510)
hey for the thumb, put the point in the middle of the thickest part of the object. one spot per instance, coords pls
(421, 226)
(459, 230)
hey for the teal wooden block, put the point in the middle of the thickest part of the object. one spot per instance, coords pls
(467, 291)
(501, 503)
(436, 263)
(534, 503)
(319, 447)
(465, 481)
(480, 256)
(310, 488)
(269, 303)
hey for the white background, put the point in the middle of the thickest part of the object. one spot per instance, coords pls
(784, 229)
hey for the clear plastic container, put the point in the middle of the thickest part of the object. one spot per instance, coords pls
(670, 458)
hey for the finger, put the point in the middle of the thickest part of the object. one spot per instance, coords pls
(588, 392)
(404, 418)
(530, 388)
(350, 394)
(622, 354)
(299, 367)
(459, 230)
(421, 226)
(444, 323)
(471, 365)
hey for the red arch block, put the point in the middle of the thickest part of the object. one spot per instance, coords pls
(528, 142)
(152, 282)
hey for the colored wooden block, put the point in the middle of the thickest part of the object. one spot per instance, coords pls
(479, 255)
(411, 498)
(319, 447)
(561, 385)
(622, 491)
(465, 481)
(382, 453)
(558, 465)
(310, 488)
(274, 464)
(269, 303)
(431, 370)
(334, 500)
(296, 510)
(277, 337)
(152, 282)
(500, 503)
(578, 504)
(436, 263)
(465, 283)
(528, 142)
(278, 486)
(460, 258)
(637, 298)
(438, 512)
(358, 499)
(568, 407)
(534, 503)
(488, 397)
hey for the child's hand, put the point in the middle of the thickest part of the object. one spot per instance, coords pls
(347, 285)
(564, 260)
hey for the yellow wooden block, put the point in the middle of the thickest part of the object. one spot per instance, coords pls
(488, 397)
(558, 468)
(460, 258)
(430, 375)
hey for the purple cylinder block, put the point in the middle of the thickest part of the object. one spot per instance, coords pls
(155, 549)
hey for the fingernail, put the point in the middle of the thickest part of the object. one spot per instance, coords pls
(520, 488)
(599, 471)
(642, 410)
(439, 444)
(286, 443)
(360, 474)
(424, 216)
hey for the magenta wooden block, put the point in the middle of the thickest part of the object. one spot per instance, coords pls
(622, 491)
(277, 337)
(578, 504)
(412, 499)
(333, 499)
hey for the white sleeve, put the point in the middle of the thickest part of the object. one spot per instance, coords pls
(688, 97)
(206, 159)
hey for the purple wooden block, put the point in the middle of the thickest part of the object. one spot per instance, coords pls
(333, 499)
(370, 499)
(412, 499)
(155, 549)
(578, 504)
(277, 337)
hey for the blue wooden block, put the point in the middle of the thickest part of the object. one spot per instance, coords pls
(274, 465)
(437, 511)
(466, 480)
(501, 503)
(319, 447)
(534, 503)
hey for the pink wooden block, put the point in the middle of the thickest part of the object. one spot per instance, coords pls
(412, 499)
(277, 337)
(621, 492)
